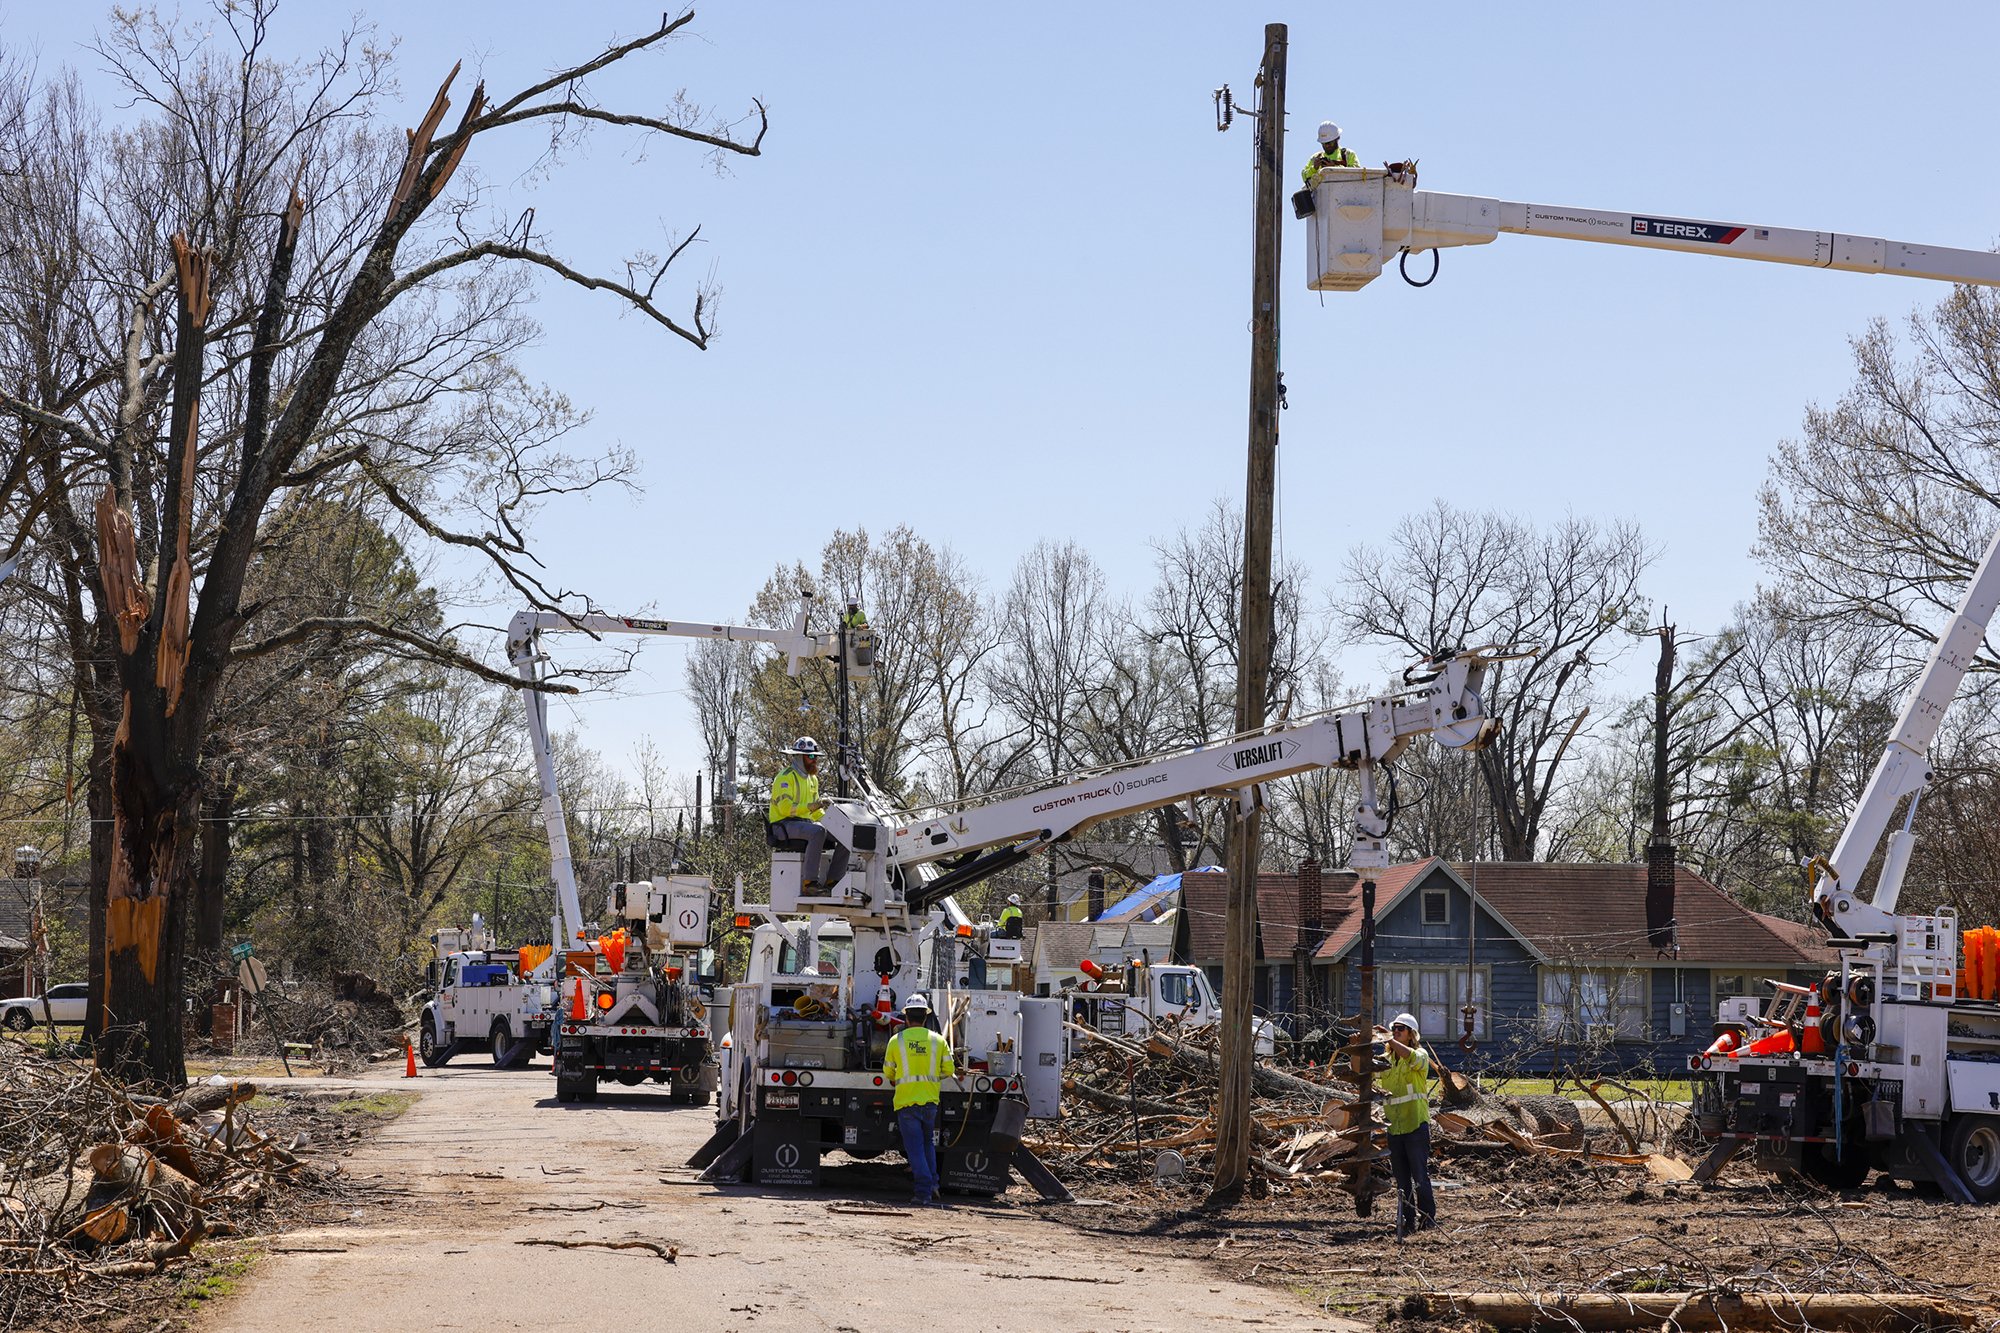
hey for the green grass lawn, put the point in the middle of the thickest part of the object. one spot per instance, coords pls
(1660, 1089)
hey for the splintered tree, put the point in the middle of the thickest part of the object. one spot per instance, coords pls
(264, 298)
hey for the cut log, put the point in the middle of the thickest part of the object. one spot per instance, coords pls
(164, 1135)
(211, 1097)
(1693, 1312)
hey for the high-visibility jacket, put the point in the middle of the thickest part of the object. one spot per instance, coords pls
(1339, 157)
(793, 795)
(1009, 915)
(1406, 1091)
(917, 1059)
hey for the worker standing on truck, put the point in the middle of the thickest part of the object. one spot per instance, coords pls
(795, 811)
(917, 1062)
(1330, 153)
(1406, 1085)
(1010, 918)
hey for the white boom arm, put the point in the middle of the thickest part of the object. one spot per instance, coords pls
(523, 650)
(1363, 216)
(1904, 768)
(1444, 703)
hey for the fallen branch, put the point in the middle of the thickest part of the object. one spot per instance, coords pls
(667, 1252)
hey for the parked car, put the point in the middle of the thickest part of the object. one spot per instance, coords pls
(65, 1004)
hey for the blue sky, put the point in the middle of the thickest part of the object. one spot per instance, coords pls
(990, 276)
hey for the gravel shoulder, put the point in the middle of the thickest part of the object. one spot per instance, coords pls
(452, 1193)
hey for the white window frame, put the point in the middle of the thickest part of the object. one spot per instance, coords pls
(1424, 907)
(1409, 982)
(1595, 1003)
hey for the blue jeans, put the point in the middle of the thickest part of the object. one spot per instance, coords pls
(919, 1127)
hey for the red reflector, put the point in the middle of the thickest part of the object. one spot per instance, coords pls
(790, 1078)
(774, 1076)
(878, 1080)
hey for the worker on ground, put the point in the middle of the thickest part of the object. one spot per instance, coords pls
(1010, 918)
(795, 811)
(1330, 153)
(917, 1061)
(1407, 1103)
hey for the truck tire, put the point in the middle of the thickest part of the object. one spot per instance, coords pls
(1973, 1149)
(435, 1050)
(587, 1088)
(507, 1053)
(18, 1020)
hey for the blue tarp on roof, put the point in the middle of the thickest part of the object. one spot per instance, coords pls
(1146, 903)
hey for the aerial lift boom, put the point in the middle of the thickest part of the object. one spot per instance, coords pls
(1362, 217)
(524, 633)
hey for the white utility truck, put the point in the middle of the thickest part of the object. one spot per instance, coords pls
(829, 971)
(1887, 1064)
(478, 996)
(1135, 996)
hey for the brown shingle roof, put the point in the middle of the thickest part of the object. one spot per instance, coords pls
(1205, 901)
(1591, 912)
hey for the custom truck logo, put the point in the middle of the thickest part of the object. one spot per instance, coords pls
(1680, 229)
(1255, 756)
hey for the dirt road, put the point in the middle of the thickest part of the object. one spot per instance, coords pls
(487, 1161)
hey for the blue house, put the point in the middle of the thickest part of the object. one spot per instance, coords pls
(1554, 961)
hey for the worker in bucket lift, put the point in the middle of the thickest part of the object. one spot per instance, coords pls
(795, 811)
(1406, 1089)
(1010, 918)
(917, 1061)
(1330, 153)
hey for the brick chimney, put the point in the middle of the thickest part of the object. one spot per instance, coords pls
(1660, 924)
(1312, 916)
(1312, 904)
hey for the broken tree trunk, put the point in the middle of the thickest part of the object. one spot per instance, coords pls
(1694, 1312)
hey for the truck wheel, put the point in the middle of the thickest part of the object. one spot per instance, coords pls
(508, 1053)
(565, 1089)
(18, 1020)
(587, 1088)
(1973, 1149)
(435, 1050)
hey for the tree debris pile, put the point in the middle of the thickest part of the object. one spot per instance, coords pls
(343, 1027)
(103, 1182)
(1141, 1109)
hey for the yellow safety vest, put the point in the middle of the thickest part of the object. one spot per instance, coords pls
(916, 1061)
(1406, 1091)
(793, 795)
(1343, 157)
(1009, 913)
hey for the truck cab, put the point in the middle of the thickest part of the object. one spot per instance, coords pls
(1136, 996)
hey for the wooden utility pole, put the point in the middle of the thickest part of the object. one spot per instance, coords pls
(1253, 630)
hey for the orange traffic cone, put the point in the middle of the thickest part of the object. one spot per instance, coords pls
(409, 1059)
(578, 1009)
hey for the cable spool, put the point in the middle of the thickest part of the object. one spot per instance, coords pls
(1861, 991)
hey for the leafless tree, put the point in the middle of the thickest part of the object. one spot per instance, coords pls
(1451, 579)
(257, 294)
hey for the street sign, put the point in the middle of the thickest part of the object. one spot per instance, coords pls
(252, 975)
(238, 952)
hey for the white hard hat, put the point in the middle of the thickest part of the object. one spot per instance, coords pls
(1328, 131)
(1404, 1021)
(1014, 898)
(803, 745)
(917, 1004)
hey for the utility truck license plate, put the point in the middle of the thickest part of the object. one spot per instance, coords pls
(781, 1100)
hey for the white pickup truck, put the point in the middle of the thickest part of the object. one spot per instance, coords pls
(63, 1004)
